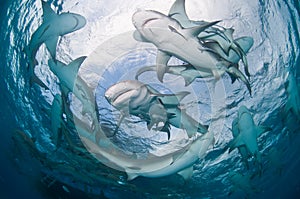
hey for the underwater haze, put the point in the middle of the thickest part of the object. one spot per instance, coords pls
(33, 166)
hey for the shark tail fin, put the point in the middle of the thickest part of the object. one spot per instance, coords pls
(238, 74)
(35, 80)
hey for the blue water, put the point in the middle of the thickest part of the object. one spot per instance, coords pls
(275, 27)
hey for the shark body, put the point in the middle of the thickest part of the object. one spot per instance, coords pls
(170, 39)
(190, 73)
(169, 35)
(132, 97)
(246, 133)
(221, 36)
(180, 161)
(53, 26)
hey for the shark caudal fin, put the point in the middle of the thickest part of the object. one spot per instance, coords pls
(238, 74)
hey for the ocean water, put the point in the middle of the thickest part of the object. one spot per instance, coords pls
(32, 166)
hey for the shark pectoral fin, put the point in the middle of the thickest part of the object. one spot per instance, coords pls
(131, 176)
(48, 13)
(195, 31)
(186, 173)
(262, 129)
(173, 99)
(138, 37)
(162, 60)
(75, 64)
(38, 81)
(51, 46)
(188, 79)
(235, 143)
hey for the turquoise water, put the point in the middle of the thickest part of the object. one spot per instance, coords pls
(41, 171)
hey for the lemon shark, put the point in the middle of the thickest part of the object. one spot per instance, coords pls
(293, 93)
(242, 182)
(53, 26)
(246, 133)
(71, 82)
(56, 118)
(220, 35)
(180, 161)
(242, 149)
(189, 73)
(172, 39)
(132, 97)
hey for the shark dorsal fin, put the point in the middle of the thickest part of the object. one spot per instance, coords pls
(75, 64)
(195, 31)
(48, 13)
(178, 13)
(55, 64)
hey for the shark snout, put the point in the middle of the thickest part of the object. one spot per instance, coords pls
(80, 21)
(141, 17)
(121, 93)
